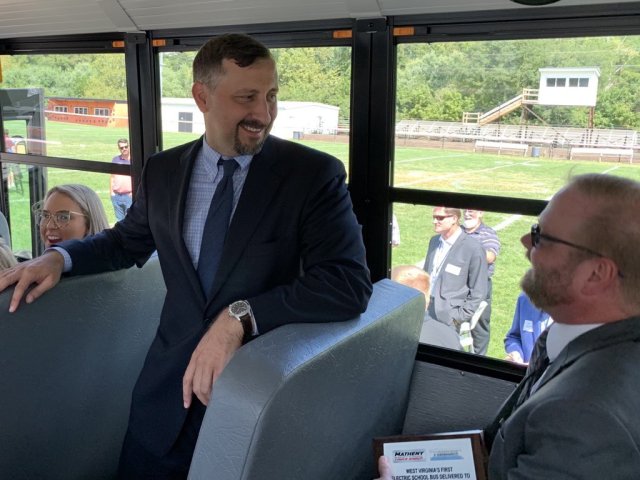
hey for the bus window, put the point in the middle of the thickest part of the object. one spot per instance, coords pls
(501, 118)
(72, 106)
(418, 225)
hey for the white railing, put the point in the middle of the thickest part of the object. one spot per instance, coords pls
(553, 136)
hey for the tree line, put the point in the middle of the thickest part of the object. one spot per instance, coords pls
(437, 81)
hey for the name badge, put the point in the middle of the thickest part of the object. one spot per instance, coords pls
(452, 269)
(527, 326)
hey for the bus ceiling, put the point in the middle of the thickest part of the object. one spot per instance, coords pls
(38, 18)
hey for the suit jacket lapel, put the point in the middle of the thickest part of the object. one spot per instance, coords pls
(259, 188)
(179, 179)
(457, 245)
(454, 248)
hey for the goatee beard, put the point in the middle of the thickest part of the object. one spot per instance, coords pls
(245, 149)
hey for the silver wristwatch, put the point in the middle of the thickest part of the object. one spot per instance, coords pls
(241, 310)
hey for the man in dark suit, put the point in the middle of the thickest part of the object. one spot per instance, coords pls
(578, 416)
(458, 269)
(290, 250)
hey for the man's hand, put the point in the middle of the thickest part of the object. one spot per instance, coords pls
(384, 469)
(212, 354)
(44, 271)
(515, 357)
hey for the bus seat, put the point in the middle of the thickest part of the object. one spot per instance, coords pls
(305, 400)
(302, 401)
(4, 230)
(68, 363)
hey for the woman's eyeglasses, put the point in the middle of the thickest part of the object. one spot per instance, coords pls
(60, 218)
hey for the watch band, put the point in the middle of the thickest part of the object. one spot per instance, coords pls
(241, 310)
(247, 327)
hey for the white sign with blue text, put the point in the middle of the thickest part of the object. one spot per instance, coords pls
(446, 459)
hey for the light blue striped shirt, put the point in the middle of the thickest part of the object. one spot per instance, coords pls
(204, 179)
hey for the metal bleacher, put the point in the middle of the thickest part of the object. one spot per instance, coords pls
(554, 136)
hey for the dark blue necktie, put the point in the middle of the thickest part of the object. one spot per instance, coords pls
(216, 225)
(537, 366)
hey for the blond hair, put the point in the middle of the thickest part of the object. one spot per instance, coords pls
(7, 259)
(413, 277)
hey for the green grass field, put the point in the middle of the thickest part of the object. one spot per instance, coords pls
(420, 168)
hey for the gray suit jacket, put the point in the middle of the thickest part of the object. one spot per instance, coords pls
(583, 420)
(462, 282)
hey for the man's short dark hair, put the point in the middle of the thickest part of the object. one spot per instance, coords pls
(242, 49)
(453, 211)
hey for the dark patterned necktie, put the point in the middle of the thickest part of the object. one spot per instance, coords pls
(537, 366)
(216, 225)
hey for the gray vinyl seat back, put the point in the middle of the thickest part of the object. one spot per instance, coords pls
(68, 363)
(4, 230)
(305, 400)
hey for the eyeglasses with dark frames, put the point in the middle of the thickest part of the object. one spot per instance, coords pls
(536, 235)
(440, 218)
(60, 218)
(123, 147)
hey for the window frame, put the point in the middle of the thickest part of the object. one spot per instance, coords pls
(373, 43)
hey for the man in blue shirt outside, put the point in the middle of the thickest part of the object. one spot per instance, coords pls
(488, 238)
(528, 323)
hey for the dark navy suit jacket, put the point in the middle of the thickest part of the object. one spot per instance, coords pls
(294, 250)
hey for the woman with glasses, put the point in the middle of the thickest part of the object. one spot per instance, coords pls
(69, 212)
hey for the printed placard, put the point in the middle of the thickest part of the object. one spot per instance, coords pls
(444, 456)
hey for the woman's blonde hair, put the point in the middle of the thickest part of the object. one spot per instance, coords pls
(7, 259)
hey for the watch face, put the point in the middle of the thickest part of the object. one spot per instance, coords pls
(239, 308)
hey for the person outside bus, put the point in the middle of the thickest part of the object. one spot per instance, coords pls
(528, 323)
(432, 332)
(458, 269)
(488, 238)
(121, 184)
(292, 250)
(8, 142)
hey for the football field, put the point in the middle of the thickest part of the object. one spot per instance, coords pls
(414, 167)
(485, 174)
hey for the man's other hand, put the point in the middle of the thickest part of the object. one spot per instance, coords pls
(212, 354)
(43, 271)
(515, 357)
